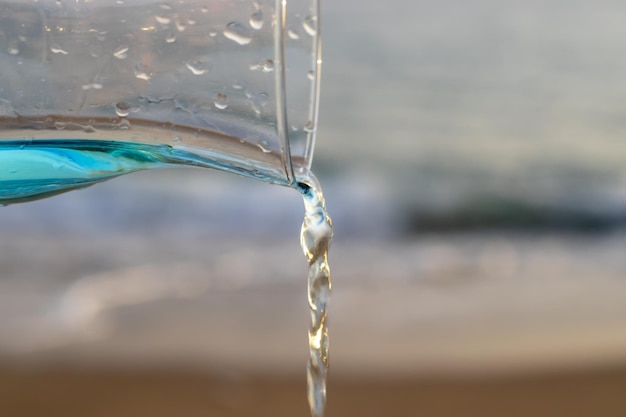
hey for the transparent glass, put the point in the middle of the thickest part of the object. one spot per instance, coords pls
(232, 81)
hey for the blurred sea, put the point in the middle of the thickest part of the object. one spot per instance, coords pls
(472, 158)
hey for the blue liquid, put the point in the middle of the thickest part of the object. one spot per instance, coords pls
(31, 170)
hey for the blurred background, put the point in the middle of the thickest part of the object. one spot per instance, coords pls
(472, 158)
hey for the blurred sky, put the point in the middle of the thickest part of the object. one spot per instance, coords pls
(451, 100)
(479, 79)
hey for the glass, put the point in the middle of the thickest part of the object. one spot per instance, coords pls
(231, 84)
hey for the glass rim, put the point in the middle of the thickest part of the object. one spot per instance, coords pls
(280, 74)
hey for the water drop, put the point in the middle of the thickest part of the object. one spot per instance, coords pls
(165, 6)
(122, 109)
(141, 73)
(56, 49)
(124, 124)
(92, 86)
(308, 127)
(256, 20)
(213, 33)
(163, 20)
(204, 10)
(89, 129)
(171, 38)
(121, 52)
(13, 50)
(310, 25)
(238, 33)
(264, 146)
(310, 75)
(221, 101)
(177, 139)
(196, 67)
(293, 34)
(255, 67)
(237, 86)
(180, 26)
(258, 101)
(59, 125)
(268, 65)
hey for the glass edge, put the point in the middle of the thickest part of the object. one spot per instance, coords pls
(280, 28)
(315, 86)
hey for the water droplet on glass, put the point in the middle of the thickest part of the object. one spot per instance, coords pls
(237, 86)
(141, 73)
(310, 25)
(120, 2)
(258, 101)
(221, 101)
(308, 127)
(238, 33)
(165, 6)
(213, 33)
(121, 52)
(163, 20)
(124, 124)
(264, 146)
(310, 75)
(89, 129)
(196, 67)
(92, 86)
(204, 10)
(59, 125)
(171, 38)
(13, 50)
(56, 49)
(180, 26)
(256, 20)
(122, 109)
(293, 34)
(255, 67)
(268, 65)
(176, 139)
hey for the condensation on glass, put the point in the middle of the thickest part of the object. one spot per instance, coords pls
(237, 78)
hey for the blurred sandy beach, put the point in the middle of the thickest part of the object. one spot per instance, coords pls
(126, 393)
